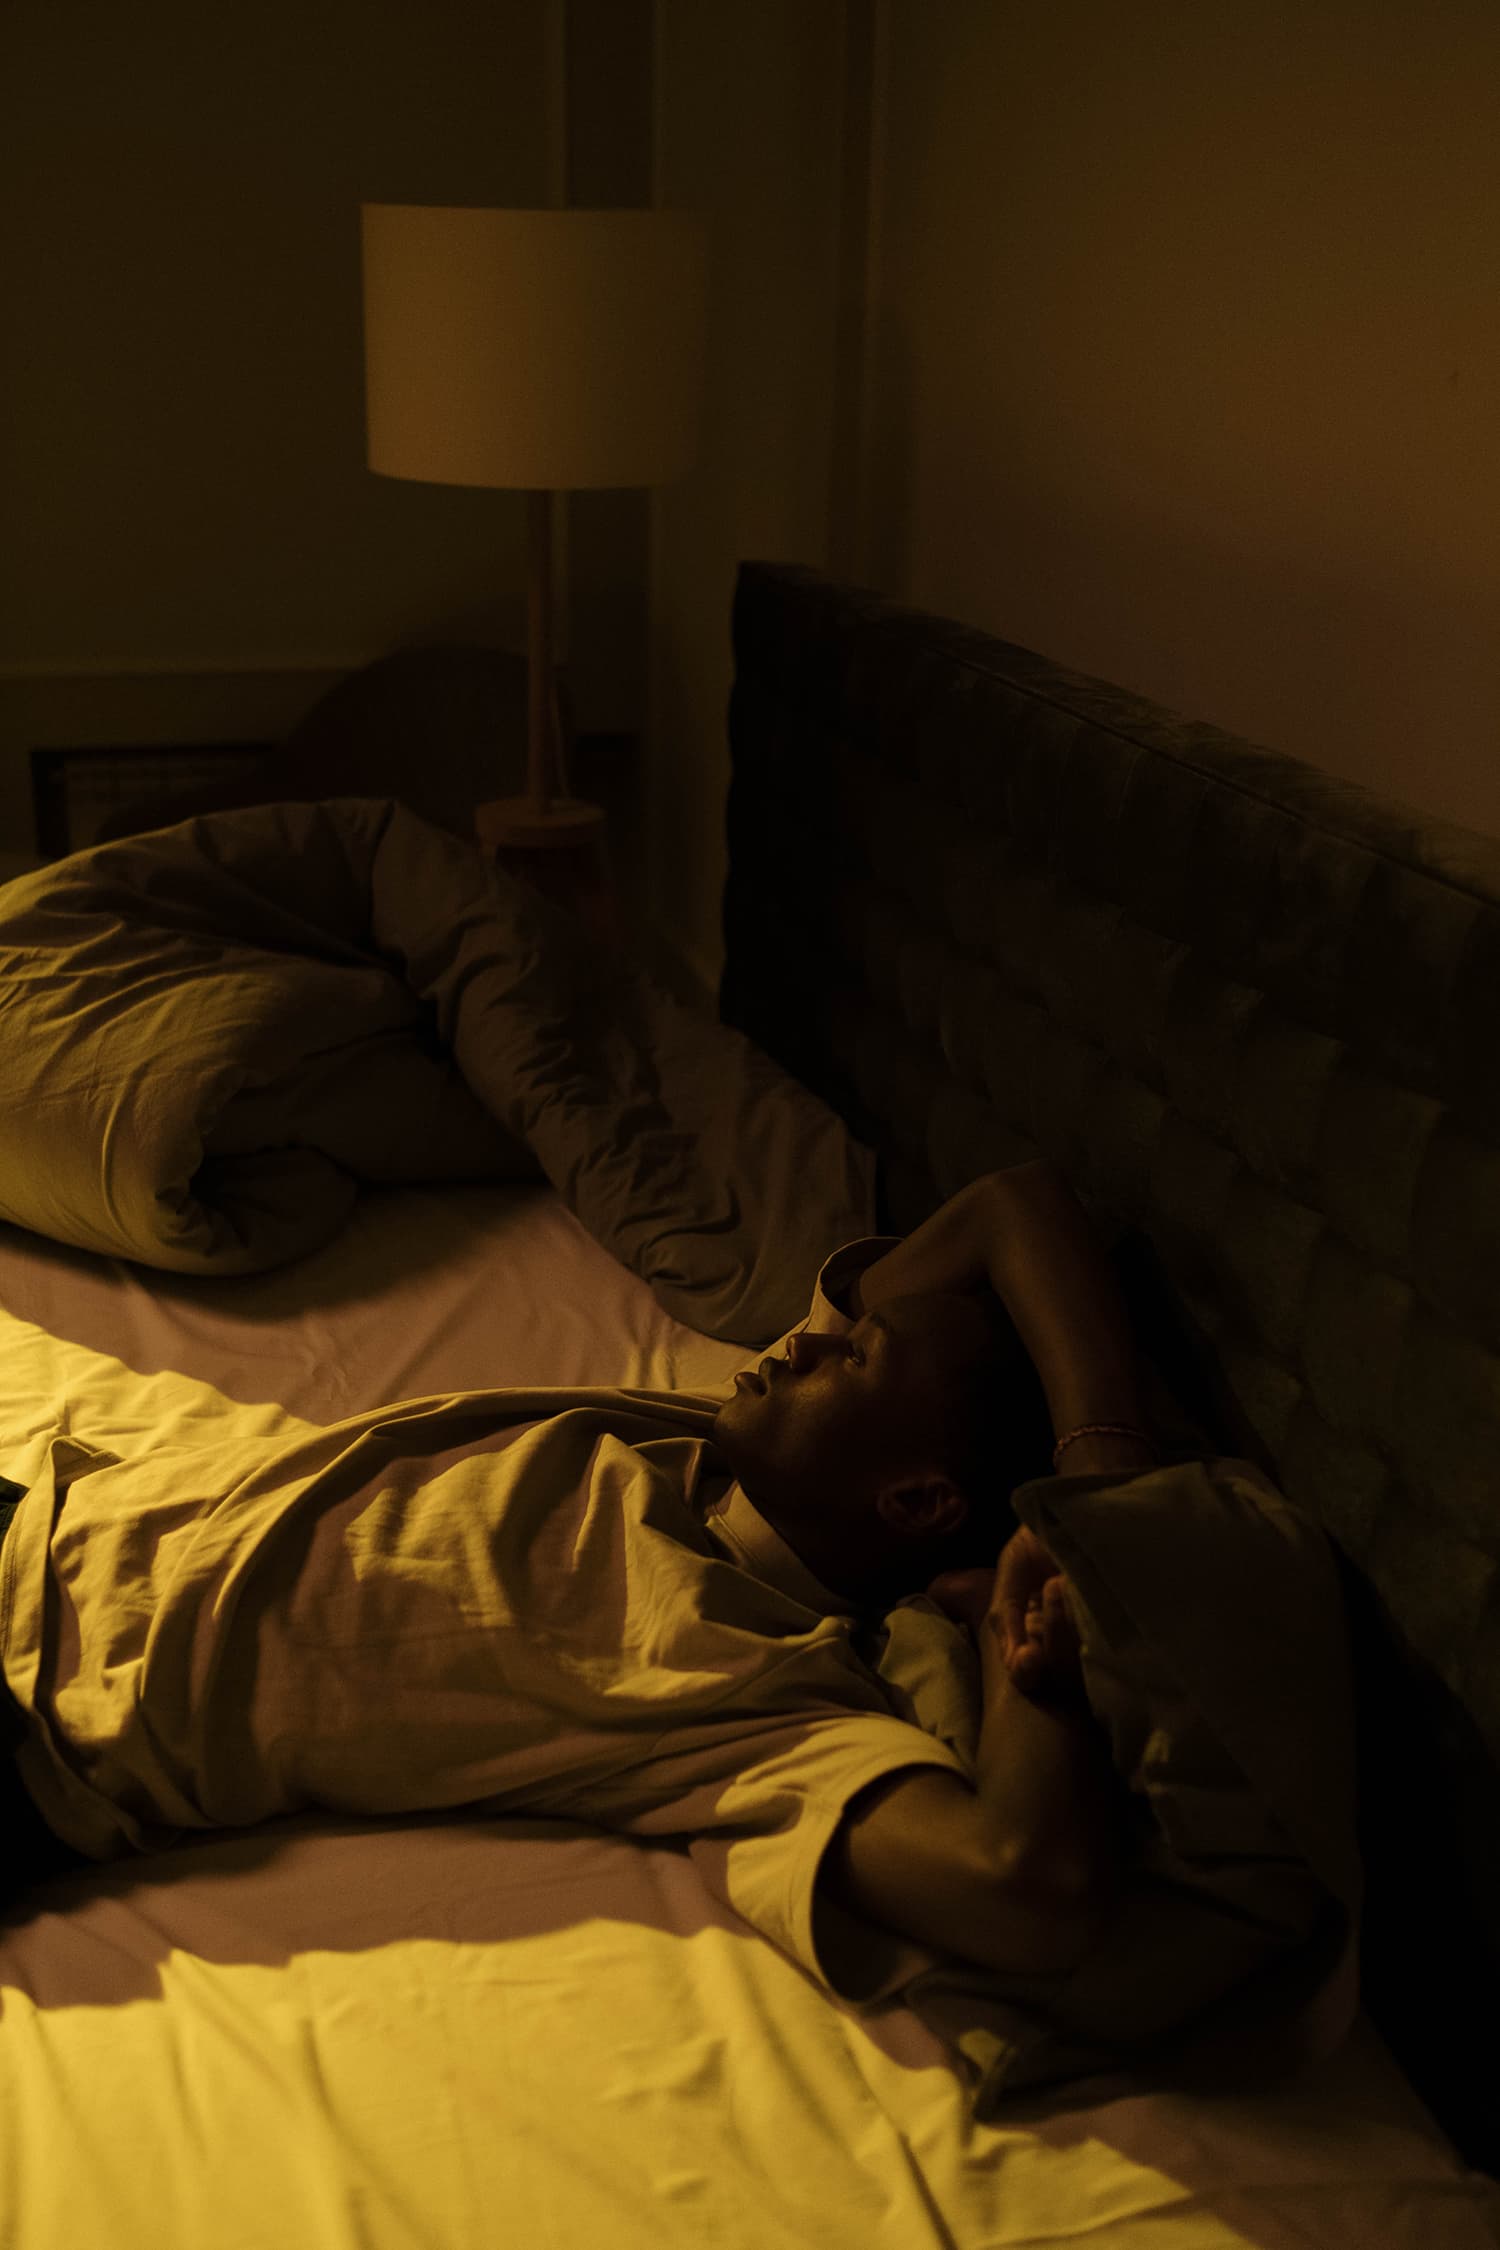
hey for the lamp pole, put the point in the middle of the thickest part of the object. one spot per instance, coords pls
(534, 351)
(542, 750)
(542, 819)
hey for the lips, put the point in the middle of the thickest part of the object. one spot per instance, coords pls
(751, 1381)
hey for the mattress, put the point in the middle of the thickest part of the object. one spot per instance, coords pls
(454, 2030)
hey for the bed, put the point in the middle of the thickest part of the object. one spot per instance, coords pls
(1016, 912)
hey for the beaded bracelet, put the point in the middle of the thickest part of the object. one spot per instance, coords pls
(1100, 1429)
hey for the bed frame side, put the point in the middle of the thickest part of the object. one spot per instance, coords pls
(988, 909)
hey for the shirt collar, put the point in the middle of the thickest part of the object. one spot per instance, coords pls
(741, 1532)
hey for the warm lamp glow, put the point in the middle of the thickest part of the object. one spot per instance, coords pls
(536, 351)
(532, 350)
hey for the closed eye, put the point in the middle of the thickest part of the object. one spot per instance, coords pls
(871, 1320)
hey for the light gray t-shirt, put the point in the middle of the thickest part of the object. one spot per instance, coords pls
(542, 1601)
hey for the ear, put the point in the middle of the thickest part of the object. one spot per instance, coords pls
(920, 1507)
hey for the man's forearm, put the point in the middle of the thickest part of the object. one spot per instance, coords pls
(1049, 1267)
(1023, 1234)
(1045, 1781)
(949, 1253)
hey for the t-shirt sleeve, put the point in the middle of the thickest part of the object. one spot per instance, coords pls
(764, 1834)
(760, 1812)
(782, 1815)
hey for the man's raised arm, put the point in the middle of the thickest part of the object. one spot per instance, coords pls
(1018, 1872)
(1024, 1234)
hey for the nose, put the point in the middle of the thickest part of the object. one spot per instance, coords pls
(804, 1350)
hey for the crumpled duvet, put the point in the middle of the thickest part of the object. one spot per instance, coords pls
(212, 1035)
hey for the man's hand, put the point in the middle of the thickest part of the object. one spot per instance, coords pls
(1043, 1767)
(1023, 1604)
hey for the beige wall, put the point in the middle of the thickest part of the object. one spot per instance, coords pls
(1183, 360)
(191, 545)
(184, 476)
(746, 132)
(1161, 339)
(1196, 320)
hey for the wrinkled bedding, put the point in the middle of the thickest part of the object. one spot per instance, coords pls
(214, 1037)
(430, 2034)
(213, 1034)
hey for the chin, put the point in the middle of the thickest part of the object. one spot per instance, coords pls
(734, 1432)
(723, 1426)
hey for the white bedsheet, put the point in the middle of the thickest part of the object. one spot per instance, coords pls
(461, 2032)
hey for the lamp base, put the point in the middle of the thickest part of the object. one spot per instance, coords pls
(519, 824)
(562, 852)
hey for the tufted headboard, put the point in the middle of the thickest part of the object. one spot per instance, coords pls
(990, 909)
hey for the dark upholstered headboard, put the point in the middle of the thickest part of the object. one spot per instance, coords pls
(990, 909)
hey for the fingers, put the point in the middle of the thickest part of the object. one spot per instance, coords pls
(1023, 1570)
(1015, 1583)
(1046, 1621)
(1024, 1614)
(1037, 1637)
(1047, 1646)
(1061, 1638)
(1026, 1652)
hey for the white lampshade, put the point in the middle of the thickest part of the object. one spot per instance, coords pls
(538, 350)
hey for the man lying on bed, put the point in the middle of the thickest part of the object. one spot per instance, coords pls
(655, 1611)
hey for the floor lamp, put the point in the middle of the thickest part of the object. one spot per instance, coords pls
(537, 351)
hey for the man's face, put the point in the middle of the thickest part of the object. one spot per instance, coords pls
(812, 1437)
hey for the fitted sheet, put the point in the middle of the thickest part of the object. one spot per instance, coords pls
(427, 2032)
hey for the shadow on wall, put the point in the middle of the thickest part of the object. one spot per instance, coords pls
(440, 729)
